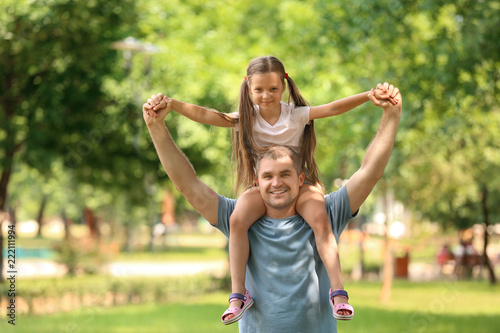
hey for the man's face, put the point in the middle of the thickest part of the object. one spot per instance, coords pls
(279, 183)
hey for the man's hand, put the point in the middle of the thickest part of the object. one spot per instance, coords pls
(386, 91)
(386, 96)
(156, 109)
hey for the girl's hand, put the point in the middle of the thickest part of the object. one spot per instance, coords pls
(386, 91)
(156, 108)
(385, 103)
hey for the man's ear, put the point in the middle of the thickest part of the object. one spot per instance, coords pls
(302, 178)
(257, 181)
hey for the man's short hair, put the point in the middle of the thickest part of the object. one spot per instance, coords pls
(276, 152)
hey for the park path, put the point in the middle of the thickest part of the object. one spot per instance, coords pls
(31, 268)
(216, 267)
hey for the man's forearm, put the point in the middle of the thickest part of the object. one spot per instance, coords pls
(380, 149)
(182, 174)
(173, 160)
(377, 154)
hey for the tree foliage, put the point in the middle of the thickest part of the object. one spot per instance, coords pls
(66, 95)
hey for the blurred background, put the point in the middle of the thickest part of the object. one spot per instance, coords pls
(98, 224)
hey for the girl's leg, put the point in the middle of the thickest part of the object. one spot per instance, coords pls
(249, 208)
(311, 206)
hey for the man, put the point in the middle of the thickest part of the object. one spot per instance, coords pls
(285, 275)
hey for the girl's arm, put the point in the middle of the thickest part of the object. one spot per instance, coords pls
(194, 112)
(203, 115)
(343, 105)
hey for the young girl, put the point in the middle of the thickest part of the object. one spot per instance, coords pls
(263, 120)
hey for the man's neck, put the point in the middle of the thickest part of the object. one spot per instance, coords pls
(275, 213)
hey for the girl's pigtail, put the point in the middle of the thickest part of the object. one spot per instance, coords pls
(243, 140)
(295, 95)
(308, 140)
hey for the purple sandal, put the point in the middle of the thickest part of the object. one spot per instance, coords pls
(341, 306)
(237, 312)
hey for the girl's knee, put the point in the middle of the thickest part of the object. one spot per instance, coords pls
(239, 223)
(319, 221)
(234, 220)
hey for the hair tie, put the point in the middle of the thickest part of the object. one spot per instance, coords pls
(245, 78)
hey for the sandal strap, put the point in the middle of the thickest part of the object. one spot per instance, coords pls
(339, 292)
(237, 296)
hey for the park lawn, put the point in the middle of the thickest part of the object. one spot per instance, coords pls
(178, 316)
(435, 307)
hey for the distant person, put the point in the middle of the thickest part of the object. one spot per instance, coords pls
(261, 121)
(285, 275)
(443, 257)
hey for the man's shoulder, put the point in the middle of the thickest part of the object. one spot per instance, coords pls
(338, 199)
(337, 194)
(224, 211)
(225, 203)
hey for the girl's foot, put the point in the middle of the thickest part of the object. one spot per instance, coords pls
(340, 306)
(238, 305)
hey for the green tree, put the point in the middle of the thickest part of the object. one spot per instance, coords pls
(54, 56)
(451, 154)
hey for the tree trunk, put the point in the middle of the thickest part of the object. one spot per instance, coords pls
(388, 264)
(151, 236)
(67, 223)
(388, 272)
(128, 237)
(2, 214)
(4, 183)
(11, 148)
(41, 212)
(12, 215)
(92, 223)
(486, 216)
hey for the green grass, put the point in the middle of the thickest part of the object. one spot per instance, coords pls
(437, 307)
(193, 315)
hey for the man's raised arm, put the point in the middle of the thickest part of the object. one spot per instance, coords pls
(377, 155)
(178, 168)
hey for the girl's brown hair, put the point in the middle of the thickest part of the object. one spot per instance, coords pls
(245, 149)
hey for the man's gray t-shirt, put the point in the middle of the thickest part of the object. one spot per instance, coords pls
(285, 275)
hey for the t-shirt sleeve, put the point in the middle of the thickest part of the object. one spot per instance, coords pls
(225, 209)
(339, 210)
(302, 114)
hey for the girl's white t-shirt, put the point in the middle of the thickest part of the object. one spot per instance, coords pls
(287, 131)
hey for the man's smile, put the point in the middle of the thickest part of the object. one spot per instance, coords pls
(276, 192)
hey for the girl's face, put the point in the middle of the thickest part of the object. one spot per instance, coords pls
(266, 90)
